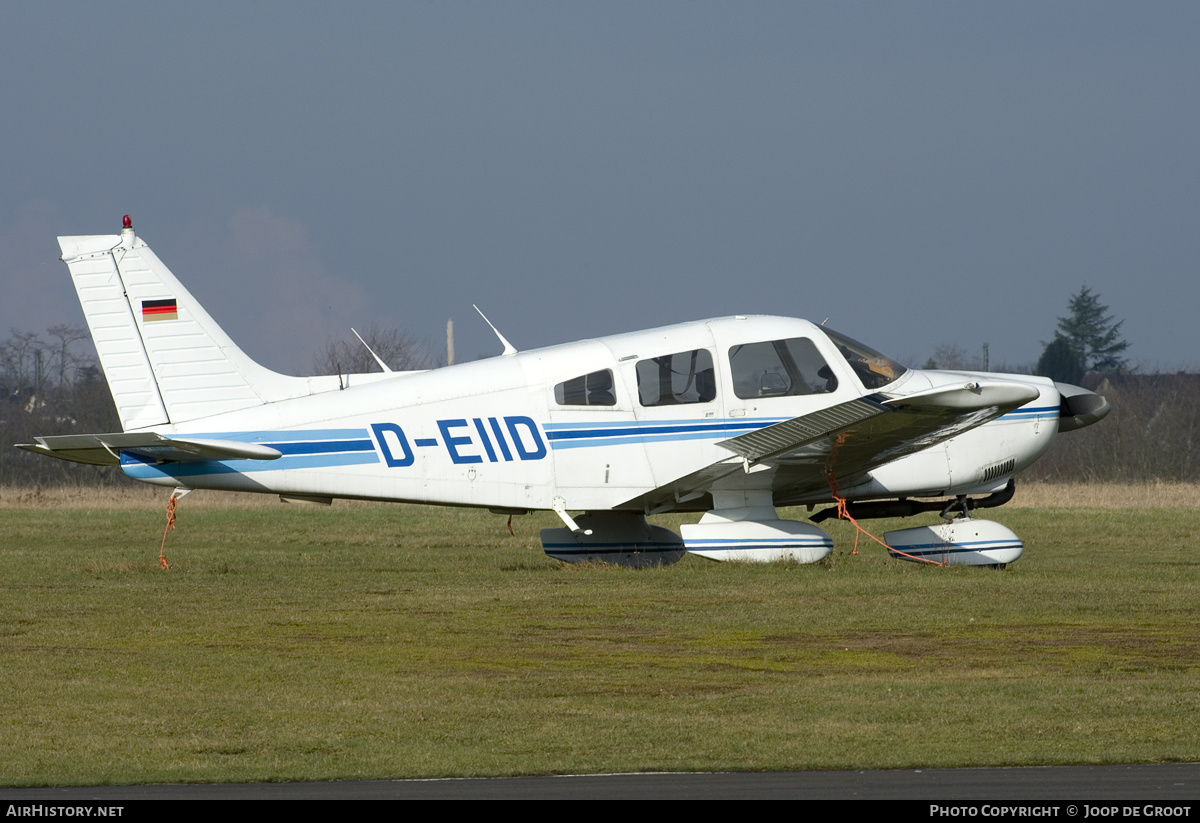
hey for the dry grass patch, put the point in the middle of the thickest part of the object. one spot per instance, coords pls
(1158, 494)
(131, 495)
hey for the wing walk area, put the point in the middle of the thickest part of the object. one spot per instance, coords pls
(791, 434)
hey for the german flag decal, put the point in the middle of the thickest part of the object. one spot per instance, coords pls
(159, 310)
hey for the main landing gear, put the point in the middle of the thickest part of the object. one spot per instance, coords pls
(744, 526)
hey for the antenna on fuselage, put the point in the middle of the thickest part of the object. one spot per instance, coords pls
(508, 347)
(382, 365)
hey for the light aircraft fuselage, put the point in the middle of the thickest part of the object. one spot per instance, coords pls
(732, 416)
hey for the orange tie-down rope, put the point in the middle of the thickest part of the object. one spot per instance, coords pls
(844, 514)
(162, 560)
(171, 502)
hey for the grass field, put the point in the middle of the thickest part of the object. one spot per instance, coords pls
(297, 642)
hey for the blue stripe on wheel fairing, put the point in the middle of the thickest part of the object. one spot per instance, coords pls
(609, 548)
(957, 548)
(761, 542)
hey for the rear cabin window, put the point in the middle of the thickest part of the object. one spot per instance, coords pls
(595, 389)
(677, 379)
(779, 368)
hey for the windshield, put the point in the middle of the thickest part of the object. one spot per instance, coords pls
(873, 369)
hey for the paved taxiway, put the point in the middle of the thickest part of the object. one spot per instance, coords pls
(1081, 784)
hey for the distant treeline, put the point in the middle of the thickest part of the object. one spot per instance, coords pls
(53, 385)
(1152, 433)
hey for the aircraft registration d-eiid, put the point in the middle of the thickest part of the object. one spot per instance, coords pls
(732, 417)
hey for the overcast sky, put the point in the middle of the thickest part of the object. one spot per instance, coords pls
(917, 173)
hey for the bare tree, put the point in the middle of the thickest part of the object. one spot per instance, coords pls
(51, 389)
(400, 351)
(953, 357)
(23, 357)
(64, 361)
(1152, 433)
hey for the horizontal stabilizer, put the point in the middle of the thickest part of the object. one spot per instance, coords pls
(106, 449)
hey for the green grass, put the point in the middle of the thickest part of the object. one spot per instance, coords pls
(296, 643)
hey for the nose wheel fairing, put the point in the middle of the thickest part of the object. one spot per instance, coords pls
(965, 541)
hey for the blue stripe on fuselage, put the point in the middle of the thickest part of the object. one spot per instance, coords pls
(588, 435)
(1030, 413)
(143, 470)
(301, 449)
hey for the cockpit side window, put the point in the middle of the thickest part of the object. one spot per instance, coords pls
(594, 389)
(779, 368)
(677, 379)
(875, 370)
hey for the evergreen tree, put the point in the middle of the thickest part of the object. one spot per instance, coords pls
(1060, 362)
(1090, 333)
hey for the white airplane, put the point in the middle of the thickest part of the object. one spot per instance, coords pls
(733, 417)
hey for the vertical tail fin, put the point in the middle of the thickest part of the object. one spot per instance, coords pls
(165, 359)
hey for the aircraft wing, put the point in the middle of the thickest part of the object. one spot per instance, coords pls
(105, 449)
(839, 444)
